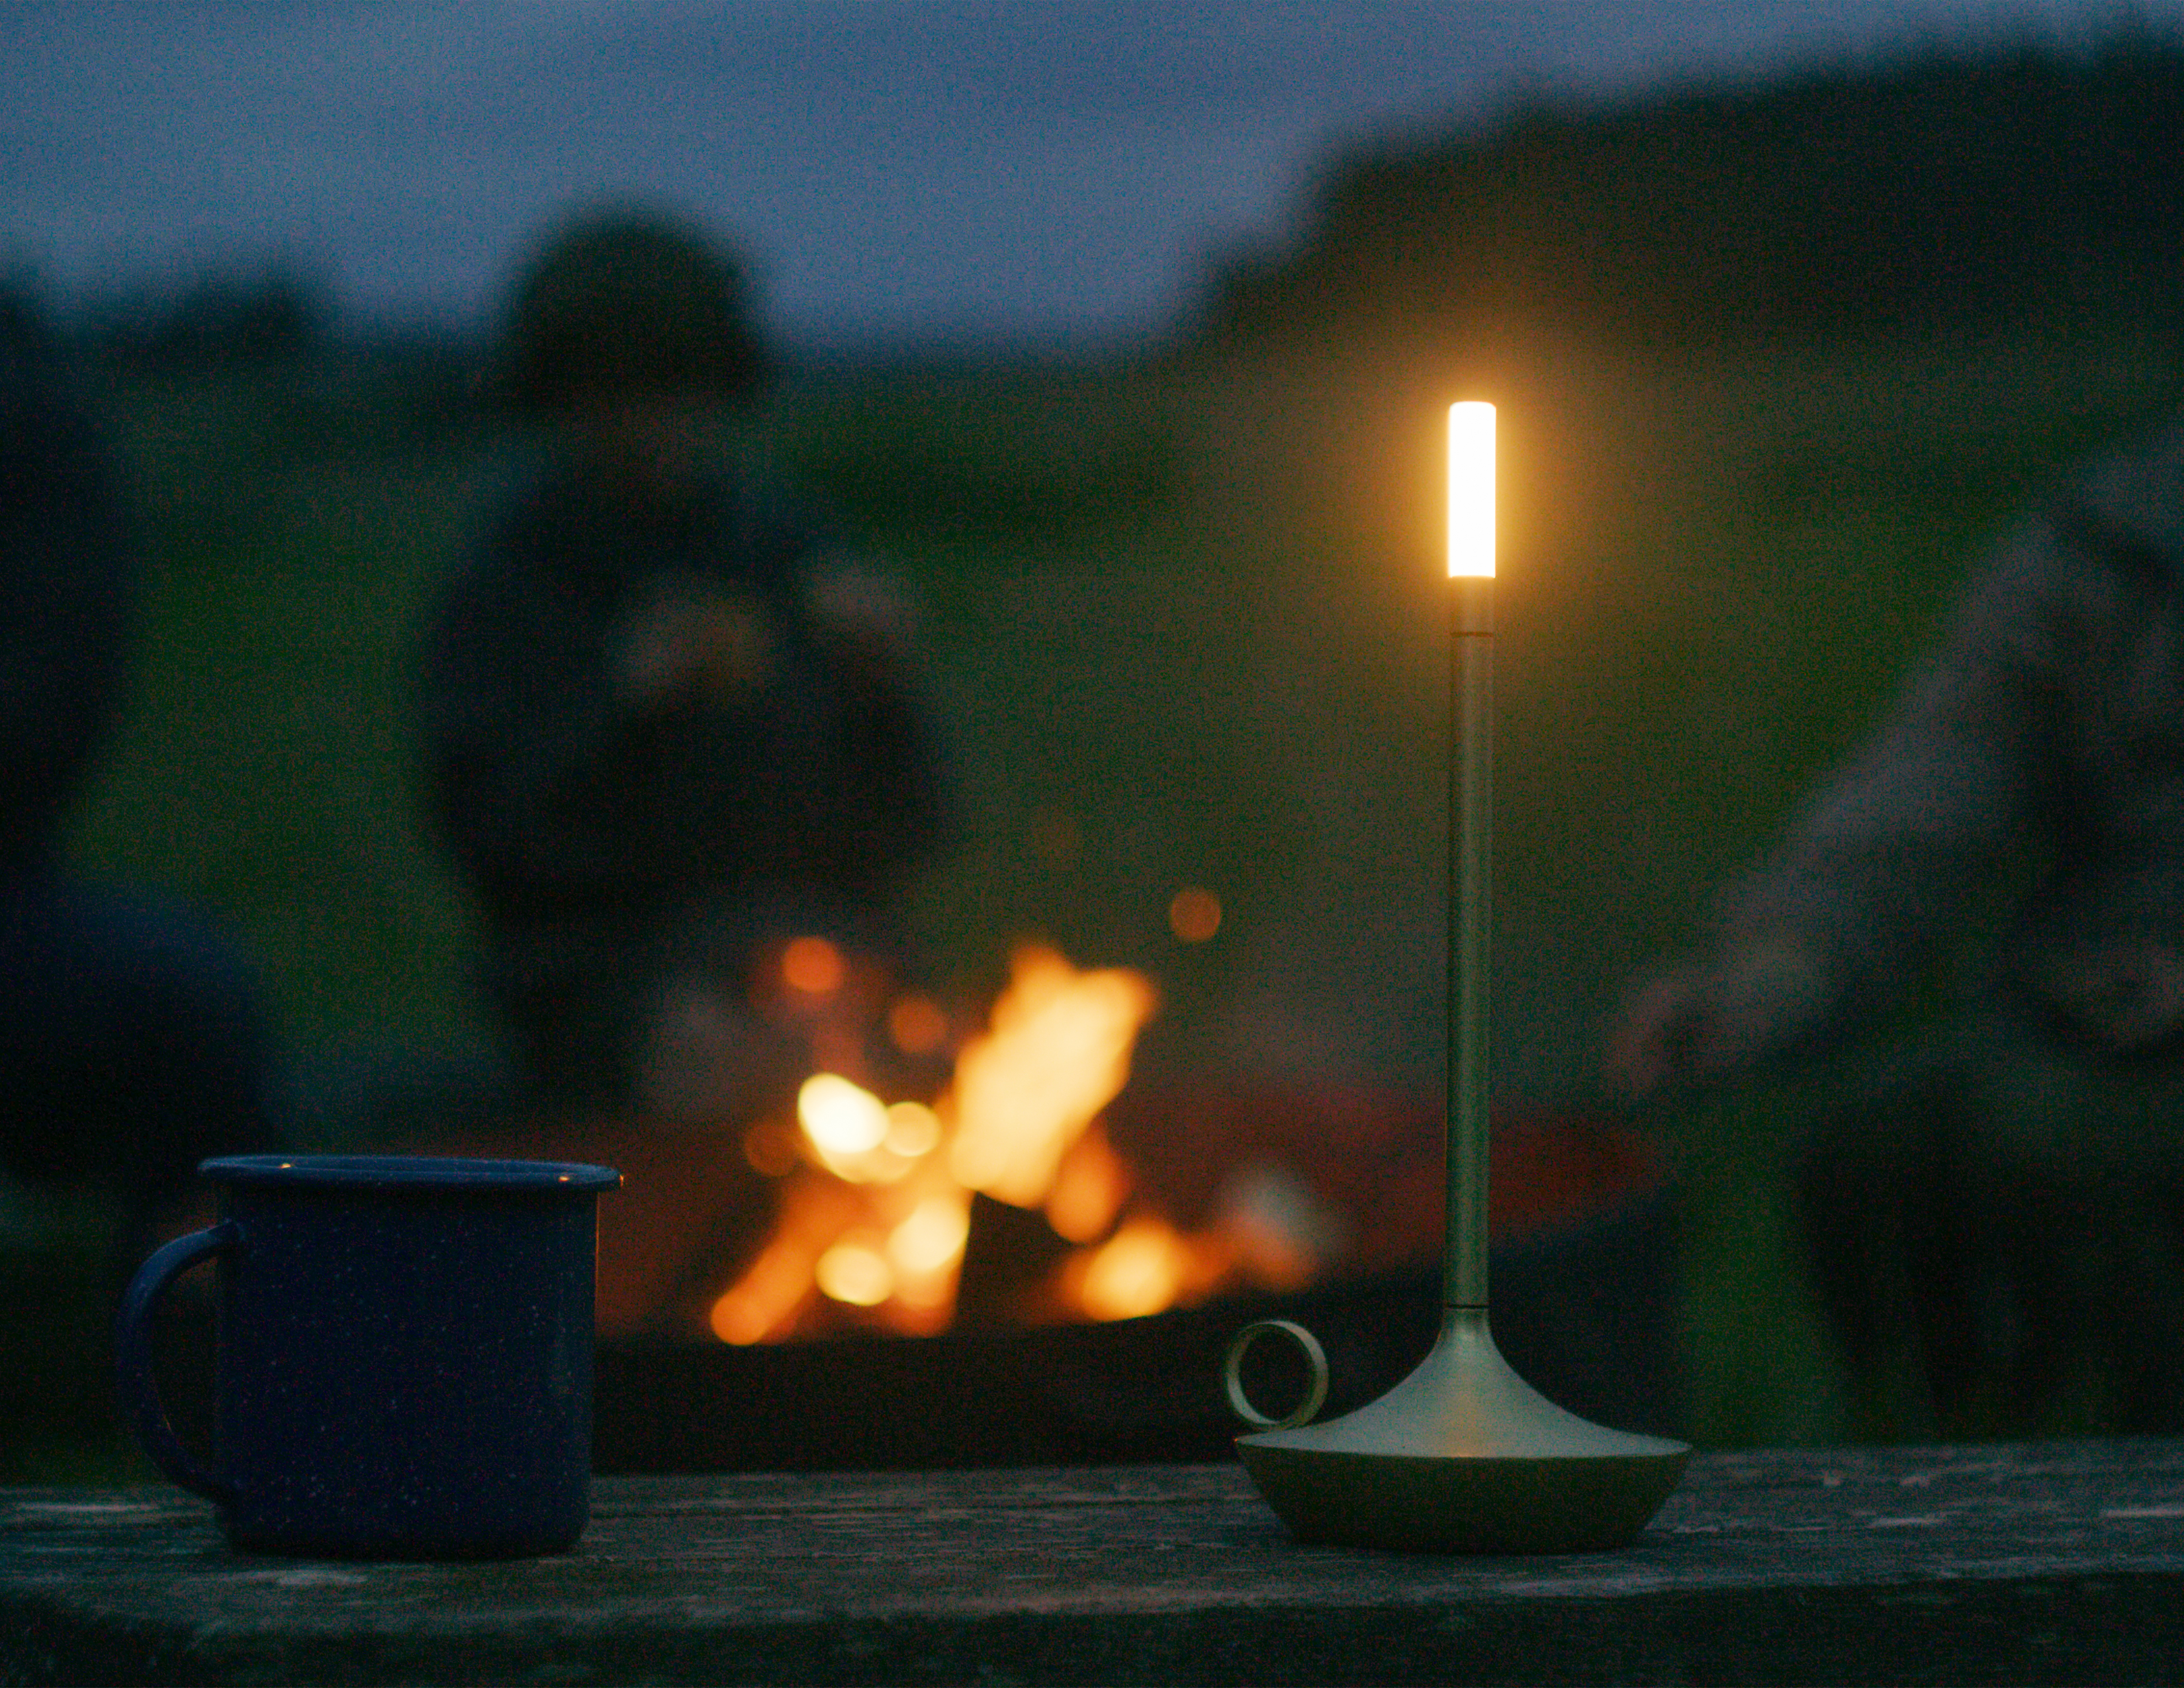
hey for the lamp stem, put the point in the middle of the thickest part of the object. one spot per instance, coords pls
(1470, 877)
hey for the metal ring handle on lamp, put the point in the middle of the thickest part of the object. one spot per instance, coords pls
(1315, 1356)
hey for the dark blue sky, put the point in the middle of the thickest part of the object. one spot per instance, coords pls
(890, 168)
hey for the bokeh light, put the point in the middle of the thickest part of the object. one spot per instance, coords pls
(916, 1025)
(813, 965)
(1193, 915)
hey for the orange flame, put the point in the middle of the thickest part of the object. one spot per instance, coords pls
(1058, 1052)
(878, 1216)
(1089, 1188)
(876, 1198)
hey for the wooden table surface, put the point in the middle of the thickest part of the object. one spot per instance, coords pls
(2041, 1563)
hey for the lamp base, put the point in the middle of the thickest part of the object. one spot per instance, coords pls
(1464, 1457)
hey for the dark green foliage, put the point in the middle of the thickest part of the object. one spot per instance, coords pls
(223, 322)
(1932, 191)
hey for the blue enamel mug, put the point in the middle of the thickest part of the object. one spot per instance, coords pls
(404, 1359)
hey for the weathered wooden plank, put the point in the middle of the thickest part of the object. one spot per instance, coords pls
(2055, 1562)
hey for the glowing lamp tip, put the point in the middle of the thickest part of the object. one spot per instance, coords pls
(1471, 490)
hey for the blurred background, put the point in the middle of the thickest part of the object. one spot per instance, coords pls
(1121, 335)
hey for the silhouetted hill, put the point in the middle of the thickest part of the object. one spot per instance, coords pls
(1929, 190)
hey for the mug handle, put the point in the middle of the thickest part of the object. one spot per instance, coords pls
(1315, 1356)
(132, 1358)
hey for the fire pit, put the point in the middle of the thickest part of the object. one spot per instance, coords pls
(1584, 1267)
(1039, 1265)
(1586, 1311)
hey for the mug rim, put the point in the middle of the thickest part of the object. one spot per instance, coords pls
(409, 1171)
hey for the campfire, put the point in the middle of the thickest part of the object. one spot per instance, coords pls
(876, 1196)
(1008, 1254)
(939, 1171)
(976, 1211)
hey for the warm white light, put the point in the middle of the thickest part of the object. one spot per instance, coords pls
(1136, 1271)
(1057, 1052)
(1471, 490)
(932, 1236)
(855, 1274)
(913, 1129)
(840, 1116)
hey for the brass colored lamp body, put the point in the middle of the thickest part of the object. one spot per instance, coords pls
(1463, 1456)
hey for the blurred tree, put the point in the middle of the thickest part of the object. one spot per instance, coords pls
(277, 317)
(1931, 190)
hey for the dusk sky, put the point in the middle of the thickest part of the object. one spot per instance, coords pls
(1055, 173)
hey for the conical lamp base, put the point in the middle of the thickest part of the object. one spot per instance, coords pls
(1464, 1457)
